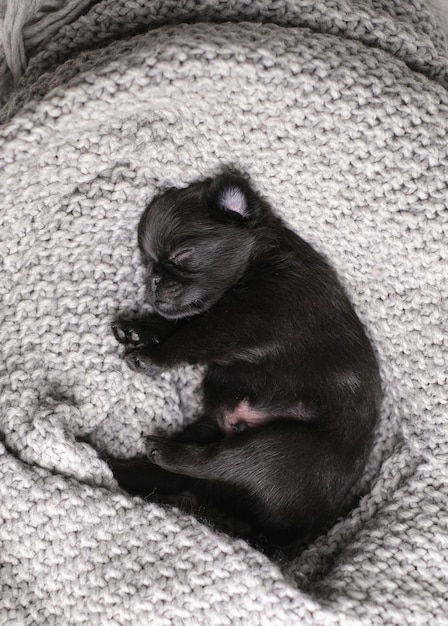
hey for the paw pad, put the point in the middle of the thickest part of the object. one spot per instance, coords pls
(126, 333)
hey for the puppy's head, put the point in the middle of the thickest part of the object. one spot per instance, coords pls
(197, 242)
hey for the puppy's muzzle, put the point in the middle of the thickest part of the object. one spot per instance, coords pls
(161, 295)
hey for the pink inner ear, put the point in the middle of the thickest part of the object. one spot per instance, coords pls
(233, 199)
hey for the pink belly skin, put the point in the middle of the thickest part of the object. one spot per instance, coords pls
(244, 413)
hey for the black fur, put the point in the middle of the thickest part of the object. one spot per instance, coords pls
(292, 388)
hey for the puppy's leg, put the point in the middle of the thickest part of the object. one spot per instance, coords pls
(233, 329)
(142, 477)
(291, 475)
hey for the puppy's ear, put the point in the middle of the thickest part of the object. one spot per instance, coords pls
(232, 196)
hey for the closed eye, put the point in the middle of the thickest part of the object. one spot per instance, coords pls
(177, 257)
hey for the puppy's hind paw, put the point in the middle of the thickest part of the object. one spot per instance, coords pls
(158, 450)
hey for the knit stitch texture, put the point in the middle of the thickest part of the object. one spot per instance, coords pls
(338, 111)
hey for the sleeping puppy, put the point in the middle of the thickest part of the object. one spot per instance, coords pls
(291, 390)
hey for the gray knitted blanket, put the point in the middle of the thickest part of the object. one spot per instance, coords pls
(338, 111)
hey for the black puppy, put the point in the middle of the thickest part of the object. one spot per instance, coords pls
(292, 389)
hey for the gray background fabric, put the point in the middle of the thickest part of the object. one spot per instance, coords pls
(338, 112)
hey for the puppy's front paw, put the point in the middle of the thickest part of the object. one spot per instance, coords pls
(138, 361)
(127, 333)
(145, 331)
